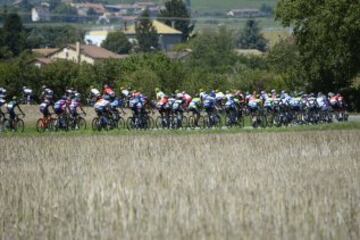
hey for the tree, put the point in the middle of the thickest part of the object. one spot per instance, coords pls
(66, 13)
(117, 42)
(251, 38)
(284, 60)
(328, 36)
(213, 50)
(176, 12)
(13, 34)
(146, 33)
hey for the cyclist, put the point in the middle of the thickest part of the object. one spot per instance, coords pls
(27, 95)
(44, 108)
(322, 102)
(186, 99)
(102, 107)
(75, 103)
(220, 97)
(11, 106)
(202, 94)
(231, 106)
(209, 103)
(2, 103)
(163, 106)
(137, 103)
(195, 108)
(70, 92)
(94, 93)
(2, 93)
(61, 107)
(159, 94)
(108, 91)
(253, 102)
(47, 93)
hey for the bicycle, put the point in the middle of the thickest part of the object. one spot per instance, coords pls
(62, 122)
(213, 119)
(258, 118)
(233, 118)
(16, 124)
(45, 123)
(103, 122)
(77, 123)
(139, 121)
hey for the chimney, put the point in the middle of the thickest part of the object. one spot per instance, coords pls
(78, 52)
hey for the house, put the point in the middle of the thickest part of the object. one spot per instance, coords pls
(83, 8)
(96, 37)
(84, 53)
(123, 9)
(44, 52)
(245, 13)
(168, 36)
(40, 13)
(41, 61)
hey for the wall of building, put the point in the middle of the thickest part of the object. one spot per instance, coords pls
(71, 55)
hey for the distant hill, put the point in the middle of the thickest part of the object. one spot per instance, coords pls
(216, 5)
(197, 5)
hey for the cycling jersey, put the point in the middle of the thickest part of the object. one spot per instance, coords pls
(160, 95)
(253, 102)
(108, 91)
(27, 91)
(95, 92)
(11, 105)
(2, 102)
(176, 105)
(195, 104)
(74, 104)
(209, 102)
(230, 104)
(101, 105)
(44, 108)
(60, 106)
(219, 96)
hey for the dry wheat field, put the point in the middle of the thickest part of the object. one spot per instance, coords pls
(302, 185)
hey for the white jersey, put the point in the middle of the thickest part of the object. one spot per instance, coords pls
(160, 95)
(321, 101)
(125, 92)
(28, 91)
(219, 96)
(95, 92)
(102, 103)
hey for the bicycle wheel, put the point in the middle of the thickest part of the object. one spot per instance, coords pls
(130, 123)
(80, 124)
(263, 121)
(20, 125)
(205, 122)
(149, 123)
(40, 125)
(121, 123)
(95, 124)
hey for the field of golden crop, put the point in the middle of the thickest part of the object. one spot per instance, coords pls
(303, 185)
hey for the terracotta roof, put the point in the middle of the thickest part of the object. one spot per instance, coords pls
(160, 27)
(44, 52)
(44, 61)
(97, 52)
